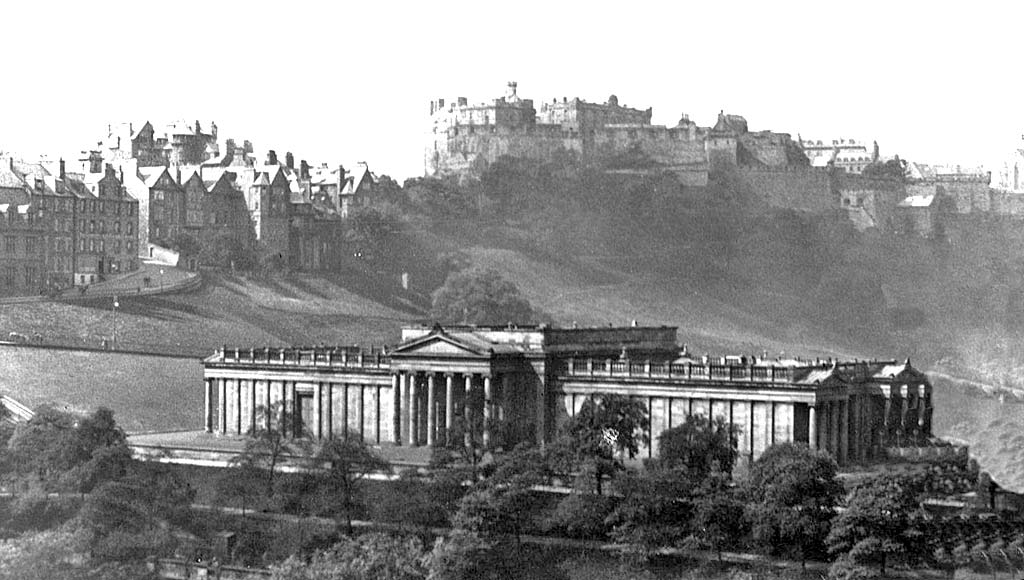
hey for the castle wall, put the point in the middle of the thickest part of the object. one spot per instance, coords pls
(666, 146)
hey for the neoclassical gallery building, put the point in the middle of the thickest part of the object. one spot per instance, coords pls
(521, 383)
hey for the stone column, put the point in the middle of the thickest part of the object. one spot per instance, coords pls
(318, 399)
(812, 427)
(223, 400)
(362, 412)
(504, 398)
(904, 432)
(467, 426)
(236, 394)
(833, 428)
(396, 392)
(268, 411)
(844, 431)
(344, 409)
(295, 417)
(449, 407)
(208, 415)
(414, 439)
(487, 409)
(328, 406)
(886, 422)
(923, 403)
(431, 410)
(252, 406)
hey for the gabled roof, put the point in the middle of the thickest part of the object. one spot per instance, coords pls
(151, 175)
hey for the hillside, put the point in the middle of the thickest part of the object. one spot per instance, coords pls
(734, 275)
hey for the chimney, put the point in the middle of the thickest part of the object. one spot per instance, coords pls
(108, 170)
(62, 168)
(289, 160)
(303, 169)
(271, 157)
(463, 101)
(198, 128)
(512, 89)
(121, 174)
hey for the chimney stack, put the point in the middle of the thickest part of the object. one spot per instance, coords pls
(303, 169)
(289, 160)
(271, 157)
(62, 168)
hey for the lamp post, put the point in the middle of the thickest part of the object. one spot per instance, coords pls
(113, 338)
(161, 279)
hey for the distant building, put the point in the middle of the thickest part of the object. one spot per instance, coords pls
(179, 143)
(87, 220)
(526, 382)
(464, 138)
(850, 155)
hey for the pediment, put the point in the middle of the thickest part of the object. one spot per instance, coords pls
(437, 345)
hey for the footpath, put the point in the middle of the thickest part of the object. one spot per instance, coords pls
(151, 278)
(556, 541)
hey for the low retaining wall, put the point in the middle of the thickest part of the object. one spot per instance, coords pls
(173, 569)
(928, 454)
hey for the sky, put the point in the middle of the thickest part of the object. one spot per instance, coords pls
(340, 82)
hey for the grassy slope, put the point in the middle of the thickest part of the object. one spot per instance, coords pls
(590, 289)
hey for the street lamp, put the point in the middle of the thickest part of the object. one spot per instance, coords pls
(113, 337)
(161, 279)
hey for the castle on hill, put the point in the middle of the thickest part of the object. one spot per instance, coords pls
(465, 138)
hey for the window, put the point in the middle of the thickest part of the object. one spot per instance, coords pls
(92, 226)
(81, 245)
(81, 226)
(103, 246)
(117, 227)
(9, 274)
(129, 224)
(10, 244)
(103, 227)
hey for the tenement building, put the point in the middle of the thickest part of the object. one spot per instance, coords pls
(516, 384)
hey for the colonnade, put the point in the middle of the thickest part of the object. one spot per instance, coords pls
(318, 410)
(424, 413)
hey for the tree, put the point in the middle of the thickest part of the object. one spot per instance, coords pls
(877, 525)
(718, 515)
(480, 296)
(653, 513)
(65, 451)
(348, 461)
(894, 168)
(465, 555)
(366, 557)
(700, 446)
(57, 555)
(266, 448)
(595, 439)
(793, 494)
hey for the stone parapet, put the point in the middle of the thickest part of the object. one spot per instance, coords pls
(333, 357)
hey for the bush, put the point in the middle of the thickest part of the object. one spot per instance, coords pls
(581, 515)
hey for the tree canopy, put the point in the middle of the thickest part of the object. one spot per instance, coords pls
(877, 525)
(604, 430)
(793, 494)
(481, 296)
(700, 446)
